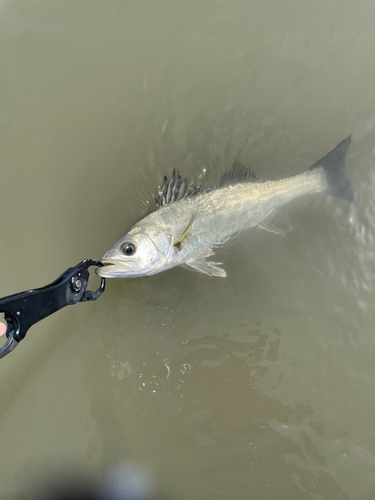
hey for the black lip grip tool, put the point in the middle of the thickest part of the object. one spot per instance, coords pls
(22, 310)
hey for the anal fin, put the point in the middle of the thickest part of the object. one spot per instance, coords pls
(277, 222)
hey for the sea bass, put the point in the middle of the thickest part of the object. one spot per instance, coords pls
(189, 223)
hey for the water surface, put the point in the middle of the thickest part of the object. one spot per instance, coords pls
(255, 386)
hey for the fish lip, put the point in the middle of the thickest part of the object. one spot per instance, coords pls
(110, 269)
(107, 262)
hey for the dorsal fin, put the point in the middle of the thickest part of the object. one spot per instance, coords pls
(175, 189)
(238, 173)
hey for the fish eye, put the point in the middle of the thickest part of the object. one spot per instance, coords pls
(128, 248)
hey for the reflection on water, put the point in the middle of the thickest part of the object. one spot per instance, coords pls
(257, 386)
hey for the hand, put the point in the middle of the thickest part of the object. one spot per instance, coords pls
(3, 329)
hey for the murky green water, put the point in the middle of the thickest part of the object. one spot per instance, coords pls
(256, 386)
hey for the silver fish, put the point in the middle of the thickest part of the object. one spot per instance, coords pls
(189, 223)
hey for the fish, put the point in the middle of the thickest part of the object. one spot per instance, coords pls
(189, 223)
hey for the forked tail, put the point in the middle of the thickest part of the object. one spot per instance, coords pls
(338, 185)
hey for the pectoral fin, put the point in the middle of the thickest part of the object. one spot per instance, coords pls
(277, 222)
(185, 235)
(206, 266)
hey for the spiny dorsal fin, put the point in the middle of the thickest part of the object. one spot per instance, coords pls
(238, 173)
(175, 189)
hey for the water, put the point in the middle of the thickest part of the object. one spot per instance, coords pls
(257, 386)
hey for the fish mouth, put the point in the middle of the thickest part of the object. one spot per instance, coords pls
(111, 268)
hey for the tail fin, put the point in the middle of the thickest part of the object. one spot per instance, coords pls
(338, 185)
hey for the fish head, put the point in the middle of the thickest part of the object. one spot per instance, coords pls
(142, 251)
